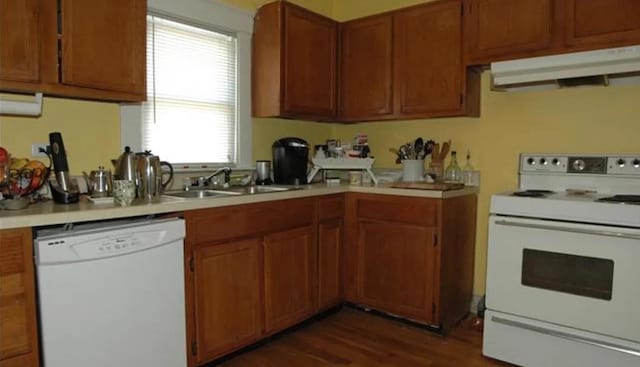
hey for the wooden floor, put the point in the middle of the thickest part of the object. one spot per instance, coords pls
(358, 339)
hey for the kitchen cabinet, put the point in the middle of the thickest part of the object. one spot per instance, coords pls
(294, 63)
(366, 60)
(602, 23)
(226, 297)
(406, 64)
(250, 272)
(411, 257)
(330, 233)
(509, 29)
(502, 29)
(78, 49)
(288, 277)
(18, 333)
(19, 40)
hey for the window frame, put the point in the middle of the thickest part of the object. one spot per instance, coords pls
(215, 16)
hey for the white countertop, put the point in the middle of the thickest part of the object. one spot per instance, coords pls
(50, 213)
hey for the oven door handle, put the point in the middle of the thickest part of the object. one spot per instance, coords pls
(567, 336)
(569, 229)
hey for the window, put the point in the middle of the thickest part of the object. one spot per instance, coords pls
(197, 113)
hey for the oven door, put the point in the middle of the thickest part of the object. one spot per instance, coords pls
(577, 275)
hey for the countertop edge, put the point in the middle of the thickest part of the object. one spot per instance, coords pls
(49, 213)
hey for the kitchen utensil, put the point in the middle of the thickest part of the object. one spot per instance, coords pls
(125, 165)
(445, 150)
(63, 191)
(98, 182)
(263, 172)
(418, 146)
(435, 153)
(149, 174)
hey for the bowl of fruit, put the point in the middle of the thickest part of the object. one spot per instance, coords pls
(19, 179)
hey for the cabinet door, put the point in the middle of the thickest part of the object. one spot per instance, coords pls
(602, 23)
(395, 270)
(288, 279)
(329, 263)
(366, 74)
(310, 58)
(428, 64)
(19, 40)
(104, 44)
(227, 297)
(504, 29)
(18, 334)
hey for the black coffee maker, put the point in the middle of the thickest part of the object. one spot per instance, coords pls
(290, 157)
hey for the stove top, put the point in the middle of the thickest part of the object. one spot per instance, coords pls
(622, 199)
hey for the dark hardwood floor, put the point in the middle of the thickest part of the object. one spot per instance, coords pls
(357, 339)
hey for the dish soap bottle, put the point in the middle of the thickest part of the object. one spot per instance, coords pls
(453, 173)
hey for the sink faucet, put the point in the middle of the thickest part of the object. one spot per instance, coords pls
(227, 176)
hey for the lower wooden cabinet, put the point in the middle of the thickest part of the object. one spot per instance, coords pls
(411, 257)
(329, 263)
(18, 333)
(227, 297)
(288, 277)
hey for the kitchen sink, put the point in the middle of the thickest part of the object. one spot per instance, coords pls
(201, 194)
(235, 191)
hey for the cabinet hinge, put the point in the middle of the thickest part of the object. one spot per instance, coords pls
(191, 264)
(194, 348)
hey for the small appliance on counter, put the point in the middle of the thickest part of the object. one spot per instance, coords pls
(290, 160)
(63, 190)
(263, 173)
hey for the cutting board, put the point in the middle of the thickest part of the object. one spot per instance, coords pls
(440, 186)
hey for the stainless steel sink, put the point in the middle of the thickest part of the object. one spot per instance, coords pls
(235, 191)
(201, 194)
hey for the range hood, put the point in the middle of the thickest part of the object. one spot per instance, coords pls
(600, 67)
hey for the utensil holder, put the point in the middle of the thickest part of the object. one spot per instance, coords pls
(436, 171)
(412, 170)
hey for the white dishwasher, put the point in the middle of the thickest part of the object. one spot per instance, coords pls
(112, 294)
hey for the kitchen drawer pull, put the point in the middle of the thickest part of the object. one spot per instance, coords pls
(569, 229)
(568, 336)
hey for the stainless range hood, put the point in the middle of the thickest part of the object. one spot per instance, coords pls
(600, 67)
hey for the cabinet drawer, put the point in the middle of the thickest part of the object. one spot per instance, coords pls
(417, 211)
(217, 224)
(330, 207)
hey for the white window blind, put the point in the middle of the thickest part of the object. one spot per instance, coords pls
(190, 116)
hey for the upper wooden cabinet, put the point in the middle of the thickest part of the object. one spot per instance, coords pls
(294, 63)
(602, 23)
(504, 27)
(366, 60)
(18, 333)
(19, 40)
(509, 29)
(73, 48)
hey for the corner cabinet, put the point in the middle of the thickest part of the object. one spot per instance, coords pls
(406, 64)
(18, 330)
(72, 48)
(294, 63)
(411, 257)
(602, 23)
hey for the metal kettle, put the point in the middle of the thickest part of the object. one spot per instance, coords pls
(149, 174)
(98, 182)
(125, 165)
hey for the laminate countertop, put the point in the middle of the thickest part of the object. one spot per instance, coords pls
(49, 213)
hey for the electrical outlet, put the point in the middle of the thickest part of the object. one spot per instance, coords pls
(35, 149)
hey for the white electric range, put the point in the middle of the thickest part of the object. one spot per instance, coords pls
(563, 263)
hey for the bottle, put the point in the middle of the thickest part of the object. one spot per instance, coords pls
(453, 172)
(467, 171)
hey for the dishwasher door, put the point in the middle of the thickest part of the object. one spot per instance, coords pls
(112, 295)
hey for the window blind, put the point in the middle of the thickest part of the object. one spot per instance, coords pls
(191, 111)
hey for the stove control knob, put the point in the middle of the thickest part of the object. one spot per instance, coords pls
(531, 161)
(543, 161)
(621, 162)
(579, 165)
(636, 163)
(555, 162)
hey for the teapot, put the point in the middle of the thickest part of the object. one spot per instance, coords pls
(149, 176)
(125, 165)
(98, 182)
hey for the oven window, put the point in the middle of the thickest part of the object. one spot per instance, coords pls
(580, 275)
